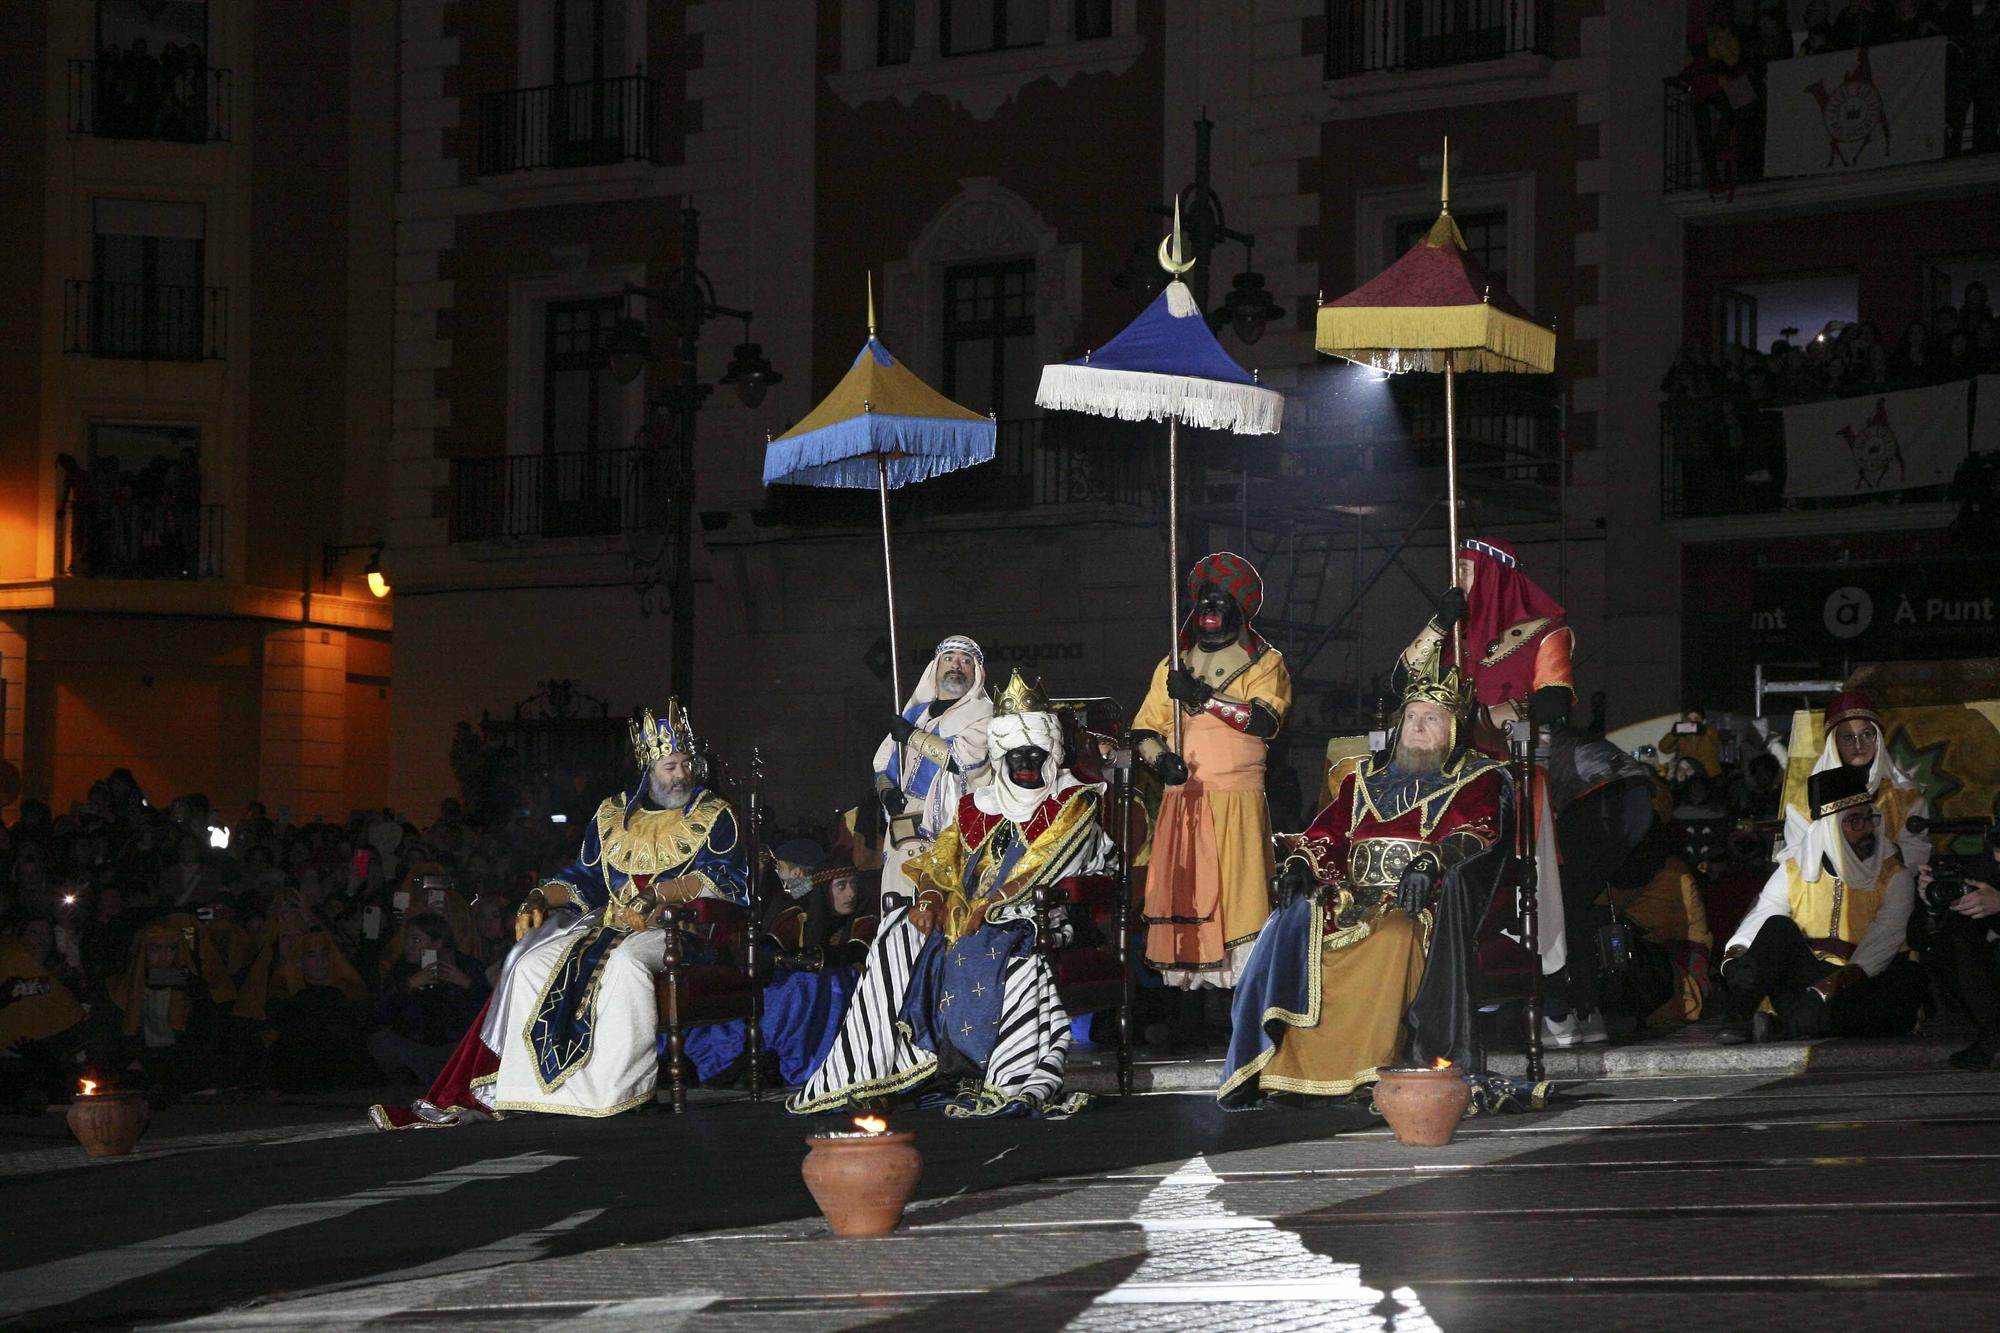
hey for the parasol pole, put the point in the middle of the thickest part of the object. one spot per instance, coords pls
(1451, 434)
(1174, 559)
(889, 578)
(1450, 495)
(1175, 262)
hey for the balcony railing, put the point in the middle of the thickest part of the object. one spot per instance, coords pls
(146, 98)
(595, 493)
(1363, 36)
(1713, 144)
(130, 535)
(143, 321)
(570, 125)
(1726, 455)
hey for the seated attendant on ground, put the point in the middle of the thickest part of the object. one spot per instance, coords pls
(1823, 942)
(955, 1001)
(1332, 991)
(815, 947)
(572, 1025)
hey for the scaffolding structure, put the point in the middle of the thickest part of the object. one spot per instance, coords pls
(1354, 481)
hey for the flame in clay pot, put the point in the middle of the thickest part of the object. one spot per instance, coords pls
(870, 1124)
(1440, 1063)
(87, 1087)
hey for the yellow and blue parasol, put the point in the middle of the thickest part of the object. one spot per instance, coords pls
(880, 428)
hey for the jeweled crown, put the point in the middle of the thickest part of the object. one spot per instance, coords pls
(1020, 697)
(1432, 684)
(653, 739)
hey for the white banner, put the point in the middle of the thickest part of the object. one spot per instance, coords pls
(1877, 442)
(1986, 415)
(1875, 107)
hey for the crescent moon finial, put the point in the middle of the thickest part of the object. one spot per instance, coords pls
(1171, 256)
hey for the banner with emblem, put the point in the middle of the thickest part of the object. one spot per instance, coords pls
(1878, 106)
(1877, 442)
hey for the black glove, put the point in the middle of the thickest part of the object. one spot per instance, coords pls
(1183, 688)
(893, 800)
(1295, 881)
(1413, 893)
(1549, 705)
(1451, 607)
(902, 728)
(1173, 769)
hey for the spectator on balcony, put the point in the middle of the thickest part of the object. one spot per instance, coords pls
(1911, 19)
(1974, 26)
(1818, 29)
(1958, 360)
(1772, 39)
(1985, 347)
(1912, 362)
(1862, 23)
(1975, 305)
(1694, 374)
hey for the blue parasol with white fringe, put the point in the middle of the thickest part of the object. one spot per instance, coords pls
(1166, 366)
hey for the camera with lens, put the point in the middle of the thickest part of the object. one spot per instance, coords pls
(1947, 886)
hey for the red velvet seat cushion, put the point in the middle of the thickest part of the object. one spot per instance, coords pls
(709, 991)
(1081, 967)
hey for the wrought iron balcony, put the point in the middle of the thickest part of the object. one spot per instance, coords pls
(590, 493)
(1364, 36)
(148, 98)
(143, 321)
(130, 534)
(570, 125)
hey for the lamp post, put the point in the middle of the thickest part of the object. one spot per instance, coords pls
(1248, 308)
(688, 300)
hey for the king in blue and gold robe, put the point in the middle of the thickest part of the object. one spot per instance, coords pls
(571, 1027)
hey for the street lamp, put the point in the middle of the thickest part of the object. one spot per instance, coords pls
(329, 562)
(1249, 306)
(687, 299)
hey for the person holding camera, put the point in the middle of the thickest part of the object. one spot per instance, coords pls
(1695, 741)
(1960, 942)
(431, 995)
(1822, 944)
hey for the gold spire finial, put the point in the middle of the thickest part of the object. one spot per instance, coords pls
(1444, 178)
(1020, 697)
(871, 303)
(1174, 260)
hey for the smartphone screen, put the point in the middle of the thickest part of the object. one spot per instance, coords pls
(430, 958)
(371, 922)
(400, 900)
(437, 900)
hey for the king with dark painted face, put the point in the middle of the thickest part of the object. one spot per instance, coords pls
(1207, 892)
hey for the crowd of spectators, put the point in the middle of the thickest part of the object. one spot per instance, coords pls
(1721, 412)
(120, 523)
(143, 95)
(211, 952)
(1728, 64)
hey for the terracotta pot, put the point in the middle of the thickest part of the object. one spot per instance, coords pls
(862, 1181)
(108, 1124)
(1423, 1106)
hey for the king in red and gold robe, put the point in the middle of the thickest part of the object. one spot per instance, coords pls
(1327, 997)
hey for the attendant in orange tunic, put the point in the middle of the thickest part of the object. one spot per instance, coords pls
(1208, 881)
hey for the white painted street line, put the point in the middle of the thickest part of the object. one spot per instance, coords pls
(1188, 1266)
(66, 1280)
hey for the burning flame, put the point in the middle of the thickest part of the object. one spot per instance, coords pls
(1441, 1063)
(89, 1086)
(871, 1124)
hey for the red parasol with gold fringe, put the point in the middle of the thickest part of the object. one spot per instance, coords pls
(1434, 309)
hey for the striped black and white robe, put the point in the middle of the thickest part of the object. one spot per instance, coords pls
(881, 1049)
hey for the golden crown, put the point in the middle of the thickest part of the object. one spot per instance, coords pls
(1432, 684)
(1020, 697)
(653, 739)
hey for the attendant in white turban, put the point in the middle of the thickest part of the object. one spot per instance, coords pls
(934, 753)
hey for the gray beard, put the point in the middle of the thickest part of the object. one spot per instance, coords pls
(672, 797)
(954, 688)
(1410, 759)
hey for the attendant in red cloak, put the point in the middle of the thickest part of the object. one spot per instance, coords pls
(1517, 638)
